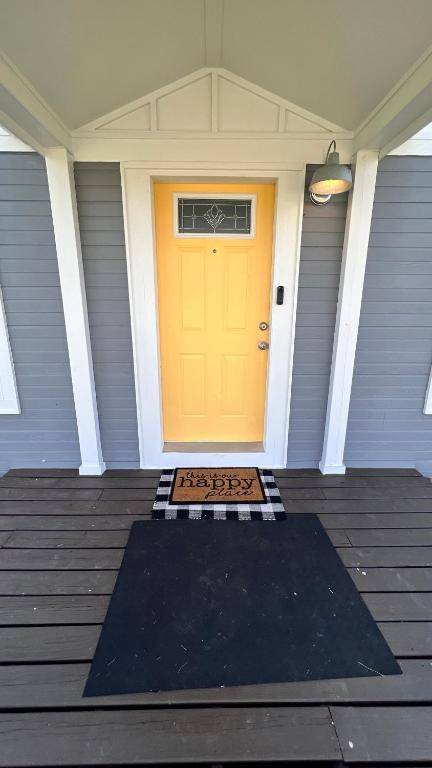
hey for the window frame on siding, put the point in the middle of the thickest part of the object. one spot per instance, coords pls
(427, 409)
(9, 401)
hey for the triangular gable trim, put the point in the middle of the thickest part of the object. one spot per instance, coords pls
(211, 101)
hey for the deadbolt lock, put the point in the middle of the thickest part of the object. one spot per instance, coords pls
(263, 326)
(263, 345)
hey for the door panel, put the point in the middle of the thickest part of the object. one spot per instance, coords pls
(212, 293)
(192, 288)
(236, 286)
(193, 385)
(234, 369)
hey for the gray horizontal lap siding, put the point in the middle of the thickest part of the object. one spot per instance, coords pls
(98, 189)
(394, 349)
(45, 433)
(320, 262)
(102, 235)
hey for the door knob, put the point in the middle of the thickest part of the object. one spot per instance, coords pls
(263, 326)
(263, 345)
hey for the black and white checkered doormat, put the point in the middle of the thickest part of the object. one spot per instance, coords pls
(271, 509)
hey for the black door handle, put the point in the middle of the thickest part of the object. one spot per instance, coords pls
(280, 294)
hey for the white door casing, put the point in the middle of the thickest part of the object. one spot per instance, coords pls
(137, 181)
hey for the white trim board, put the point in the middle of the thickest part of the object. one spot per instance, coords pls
(419, 147)
(356, 240)
(10, 143)
(68, 244)
(27, 115)
(427, 408)
(137, 192)
(241, 152)
(9, 403)
(403, 111)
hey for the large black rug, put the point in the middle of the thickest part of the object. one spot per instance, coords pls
(202, 605)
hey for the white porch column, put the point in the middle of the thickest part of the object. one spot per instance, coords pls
(355, 249)
(68, 244)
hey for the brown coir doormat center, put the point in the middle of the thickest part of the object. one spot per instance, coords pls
(237, 485)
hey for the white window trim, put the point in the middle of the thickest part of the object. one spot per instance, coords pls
(9, 402)
(137, 191)
(218, 196)
(427, 409)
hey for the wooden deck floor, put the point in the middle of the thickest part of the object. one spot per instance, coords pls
(61, 543)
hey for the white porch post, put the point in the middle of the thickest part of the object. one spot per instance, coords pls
(355, 248)
(68, 244)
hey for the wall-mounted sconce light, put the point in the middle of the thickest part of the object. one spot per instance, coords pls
(329, 179)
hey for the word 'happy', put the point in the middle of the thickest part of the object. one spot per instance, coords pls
(220, 484)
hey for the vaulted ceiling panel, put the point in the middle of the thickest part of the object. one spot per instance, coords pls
(88, 57)
(337, 59)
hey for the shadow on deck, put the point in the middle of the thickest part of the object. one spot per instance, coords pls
(61, 543)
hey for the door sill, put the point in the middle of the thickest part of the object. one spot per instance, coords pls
(178, 447)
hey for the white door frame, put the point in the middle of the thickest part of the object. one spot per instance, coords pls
(137, 193)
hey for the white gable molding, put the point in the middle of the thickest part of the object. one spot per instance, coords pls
(9, 402)
(419, 144)
(210, 116)
(404, 111)
(412, 147)
(354, 257)
(68, 245)
(25, 113)
(9, 143)
(211, 102)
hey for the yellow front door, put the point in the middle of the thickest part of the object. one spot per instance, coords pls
(214, 260)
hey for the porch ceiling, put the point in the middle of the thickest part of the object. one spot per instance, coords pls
(337, 59)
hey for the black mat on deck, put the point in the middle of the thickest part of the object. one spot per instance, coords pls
(211, 603)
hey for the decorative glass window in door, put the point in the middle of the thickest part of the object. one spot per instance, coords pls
(215, 216)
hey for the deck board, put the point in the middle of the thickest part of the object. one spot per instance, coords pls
(38, 686)
(185, 735)
(385, 734)
(411, 484)
(91, 609)
(392, 579)
(58, 582)
(78, 642)
(384, 556)
(59, 559)
(61, 544)
(383, 538)
(79, 523)
(113, 539)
